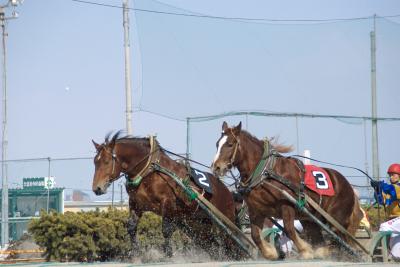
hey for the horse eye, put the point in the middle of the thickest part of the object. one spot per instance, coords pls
(230, 144)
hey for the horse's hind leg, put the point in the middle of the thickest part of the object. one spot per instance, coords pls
(288, 214)
(314, 233)
(267, 249)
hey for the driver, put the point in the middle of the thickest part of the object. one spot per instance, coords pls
(389, 194)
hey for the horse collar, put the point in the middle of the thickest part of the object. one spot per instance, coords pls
(266, 163)
(135, 181)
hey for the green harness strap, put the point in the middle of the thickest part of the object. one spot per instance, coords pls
(134, 182)
(184, 183)
(258, 171)
(262, 170)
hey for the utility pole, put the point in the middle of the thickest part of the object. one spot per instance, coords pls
(188, 138)
(4, 178)
(128, 88)
(375, 158)
(122, 199)
(4, 191)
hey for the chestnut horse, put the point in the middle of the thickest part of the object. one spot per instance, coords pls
(150, 190)
(264, 197)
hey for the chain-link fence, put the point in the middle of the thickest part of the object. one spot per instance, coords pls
(74, 175)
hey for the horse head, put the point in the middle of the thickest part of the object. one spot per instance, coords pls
(238, 148)
(107, 165)
(227, 149)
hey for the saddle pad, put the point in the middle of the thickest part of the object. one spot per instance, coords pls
(201, 179)
(318, 180)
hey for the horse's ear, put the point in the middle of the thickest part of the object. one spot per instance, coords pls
(224, 126)
(238, 128)
(114, 139)
(96, 145)
(111, 143)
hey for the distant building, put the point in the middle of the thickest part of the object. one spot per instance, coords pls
(78, 195)
(77, 206)
(38, 193)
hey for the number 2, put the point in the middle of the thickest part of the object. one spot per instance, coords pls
(203, 179)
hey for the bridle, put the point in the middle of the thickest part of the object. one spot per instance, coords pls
(114, 160)
(235, 150)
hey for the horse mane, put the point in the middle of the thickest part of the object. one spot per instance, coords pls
(273, 141)
(114, 138)
(144, 141)
(117, 138)
(251, 137)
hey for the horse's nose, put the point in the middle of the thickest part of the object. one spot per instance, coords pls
(216, 170)
(98, 191)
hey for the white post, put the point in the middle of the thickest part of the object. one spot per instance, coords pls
(375, 157)
(128, 89)
(307, 154)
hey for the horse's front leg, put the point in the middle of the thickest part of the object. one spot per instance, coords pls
(131, 228)
(168, 228)
(168, 225)
(267, 250)
(288, 216)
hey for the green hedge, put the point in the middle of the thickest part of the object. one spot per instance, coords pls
(97, 236)
(83, 236)
(102, 236)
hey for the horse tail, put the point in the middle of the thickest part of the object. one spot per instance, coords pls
(280, 147)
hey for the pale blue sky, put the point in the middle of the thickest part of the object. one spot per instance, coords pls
(66, 78)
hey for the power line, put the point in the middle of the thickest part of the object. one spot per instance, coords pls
(160, 115)
(288, 114)
(46, 159)
(233, 18)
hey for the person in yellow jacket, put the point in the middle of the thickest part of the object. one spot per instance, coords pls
(389, 194)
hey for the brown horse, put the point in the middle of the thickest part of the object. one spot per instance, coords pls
(150, 190)
(263, 195)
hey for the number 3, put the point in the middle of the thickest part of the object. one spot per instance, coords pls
(320, 180)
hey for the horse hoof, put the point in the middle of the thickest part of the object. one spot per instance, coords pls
(321, 253)
(168, 252)
(306, 255)
(271, 256)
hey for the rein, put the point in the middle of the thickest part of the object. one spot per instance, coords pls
(333, 164)
(185, 158)
(354, 168)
